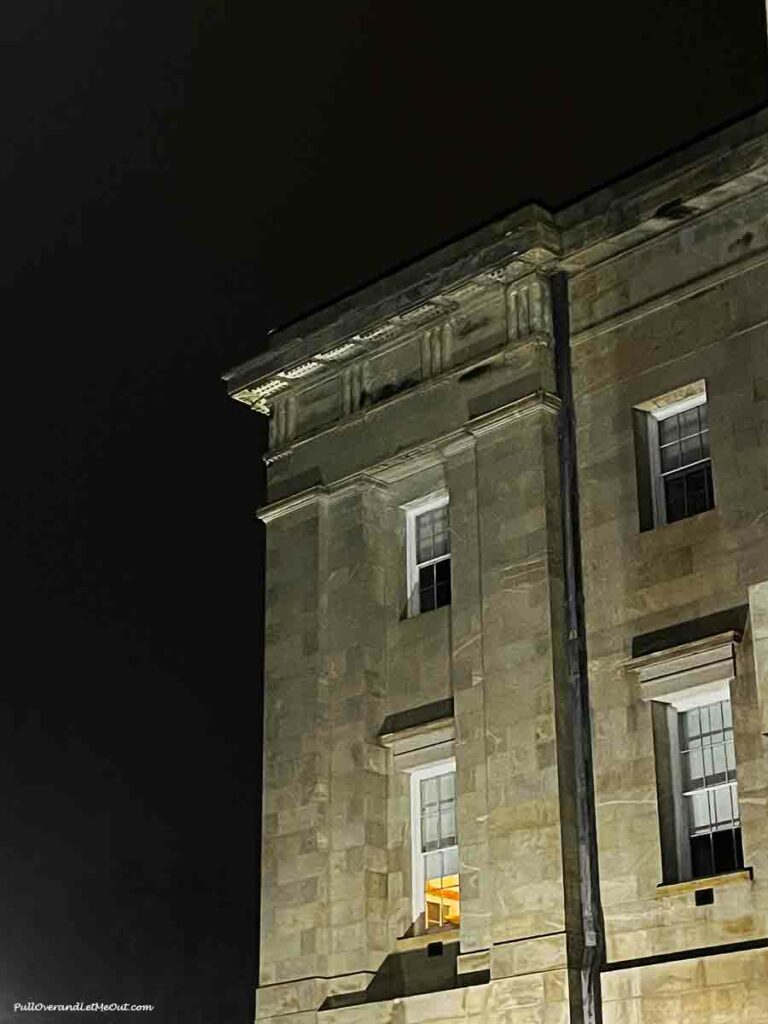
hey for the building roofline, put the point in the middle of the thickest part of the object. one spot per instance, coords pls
(604, 211)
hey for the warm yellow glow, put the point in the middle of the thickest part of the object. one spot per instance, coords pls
(442, 901)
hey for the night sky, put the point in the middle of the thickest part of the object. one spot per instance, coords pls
(177, 178)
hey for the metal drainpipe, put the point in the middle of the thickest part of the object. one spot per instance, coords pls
(593, 943)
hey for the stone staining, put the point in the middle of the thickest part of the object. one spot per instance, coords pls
(654, 306)
(435, 351)
(353, 392)
(528, 307)
(282, 424)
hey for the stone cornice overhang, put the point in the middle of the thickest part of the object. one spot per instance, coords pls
(432, 452)
(613, 220)
(401, 301)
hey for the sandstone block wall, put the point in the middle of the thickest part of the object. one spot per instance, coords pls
(449, 385)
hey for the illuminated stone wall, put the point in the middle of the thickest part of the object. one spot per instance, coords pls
(442, 379)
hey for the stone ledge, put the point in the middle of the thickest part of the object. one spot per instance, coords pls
(404, 945)
(713, 882)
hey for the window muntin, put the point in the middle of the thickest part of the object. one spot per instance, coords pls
(429, 555)
(436, 893)
(684, 467)
(708, 764)
(672, 451)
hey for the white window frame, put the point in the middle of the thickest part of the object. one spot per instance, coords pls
(413, 510)
(693, 675)
(427, 771)
(655, 416)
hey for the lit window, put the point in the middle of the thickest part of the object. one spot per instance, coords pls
(429, 555)
(708, 778)
(674, 464)
(436, 901)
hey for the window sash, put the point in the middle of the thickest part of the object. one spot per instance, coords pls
(420, 856)
(413, 511)
(659, 477)
(711, 809)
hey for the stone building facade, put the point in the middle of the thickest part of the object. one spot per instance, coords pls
(516, 704)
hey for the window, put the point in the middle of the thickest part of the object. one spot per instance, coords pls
(684, 469)
(675, 477)
(688, 687)
(435, 852)
(708, 774)
(429, 555)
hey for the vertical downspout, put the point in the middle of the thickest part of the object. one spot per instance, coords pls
(592, 953)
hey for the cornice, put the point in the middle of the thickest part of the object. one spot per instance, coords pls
(408, 299)
(386, 471)
(538, 401)
(670, 655)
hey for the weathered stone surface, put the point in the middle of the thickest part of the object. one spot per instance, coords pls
(443, 380)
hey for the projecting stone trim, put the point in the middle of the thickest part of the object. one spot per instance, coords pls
(423, 742)
(293, 504)
(413, 718)
(528, 307)
(529, 955)
(703, 664)
(434, 452)
(356, 402)
(670, 297)
(742, 876)
(680, 633)
(539, 401)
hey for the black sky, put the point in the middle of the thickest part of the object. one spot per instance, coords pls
(176, 178)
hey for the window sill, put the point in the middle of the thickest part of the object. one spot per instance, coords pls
(709, 514)
(713, 882)
(444, 935)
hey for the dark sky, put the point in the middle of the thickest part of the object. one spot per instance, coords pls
(176, 178)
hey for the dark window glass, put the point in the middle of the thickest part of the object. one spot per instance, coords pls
(684, 463)
(435, 585)
(688, 492)
(443, 582)
(716, 853)
(427, 588)
(710, 789)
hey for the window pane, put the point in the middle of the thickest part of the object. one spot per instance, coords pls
(702, 861)
(691, 723)
(427, 588)
(441, 888)
(689, 422)
(716, 718)
(447, 785)
(675, 496)
(708, 765)
(719, 766)
(693, 769)
(451, 861)
(698, 807)
(703, 416)
(430, 837)
(697, 483)
(668, 430)
(433, 865)
(430, 794)
(447, 827)
(727, 854)
(691, 450)
(723, 806)
(432, 538)
(670, 457)
(443, 583)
